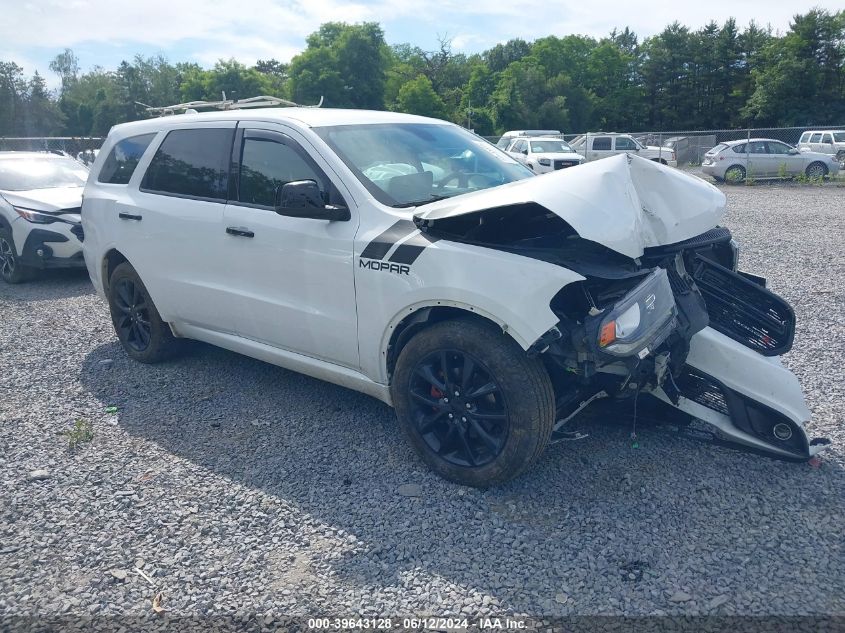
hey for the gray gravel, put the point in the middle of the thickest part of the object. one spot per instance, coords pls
(239, 488)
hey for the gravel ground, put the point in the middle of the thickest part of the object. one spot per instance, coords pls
(241, 488)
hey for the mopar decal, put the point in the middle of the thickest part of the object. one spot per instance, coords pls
(373, 264)
(415, 242)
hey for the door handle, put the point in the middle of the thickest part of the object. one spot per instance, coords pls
(129, 216)
(240, 231)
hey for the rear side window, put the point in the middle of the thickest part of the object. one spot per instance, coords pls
(123, 159)
(739, 149)
(601, 143)
(816, 138)
(191, 163)
(827, 138)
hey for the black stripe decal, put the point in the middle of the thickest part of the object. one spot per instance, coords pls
(379, 247)
(408, 252)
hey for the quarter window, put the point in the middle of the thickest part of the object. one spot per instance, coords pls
(266, 165)
(805, 137)
(601, 143)
(122, 160)
(192, 163)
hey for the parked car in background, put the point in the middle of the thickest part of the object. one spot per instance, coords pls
(543, 154)
(489, 307)
(765, 158)
(40, 203)
(507, 137)
(825, 142)
(602, 145)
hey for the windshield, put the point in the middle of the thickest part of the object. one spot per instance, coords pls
(23, 174)
(550, 147)
(408, 164)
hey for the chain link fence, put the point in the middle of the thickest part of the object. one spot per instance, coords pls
(79, 147)
(690, 146)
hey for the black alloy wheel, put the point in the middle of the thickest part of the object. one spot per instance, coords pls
(133, 318)
(458, 408)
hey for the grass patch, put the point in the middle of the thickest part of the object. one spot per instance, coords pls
(81, 433)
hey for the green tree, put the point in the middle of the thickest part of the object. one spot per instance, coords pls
(418, 97)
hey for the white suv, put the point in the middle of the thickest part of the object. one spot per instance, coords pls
(409, 259)
(598, 145)
(40, 200)
(824, 142)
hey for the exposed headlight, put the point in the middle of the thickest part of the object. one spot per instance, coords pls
(35, 217)
(545, 162)
(643, 319)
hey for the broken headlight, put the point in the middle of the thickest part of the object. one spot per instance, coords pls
(641, 320)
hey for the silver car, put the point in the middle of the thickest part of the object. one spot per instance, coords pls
(760, 158)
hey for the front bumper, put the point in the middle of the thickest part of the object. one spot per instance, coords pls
(58, 246)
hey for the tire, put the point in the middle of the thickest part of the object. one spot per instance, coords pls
(514, 405)
(816, 170)
(11, 269)
(137, 323)
(841, 157)
(735, 174)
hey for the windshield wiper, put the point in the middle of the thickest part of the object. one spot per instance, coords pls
(418, 203)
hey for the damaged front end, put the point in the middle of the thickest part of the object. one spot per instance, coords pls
(674, 324)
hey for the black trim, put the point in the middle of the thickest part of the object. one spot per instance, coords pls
(380, 245)
(408, 252)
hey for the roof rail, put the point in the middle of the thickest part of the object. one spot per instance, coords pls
(191, 107)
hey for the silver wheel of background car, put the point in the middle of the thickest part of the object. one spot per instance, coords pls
(735, 173)
(816, 170)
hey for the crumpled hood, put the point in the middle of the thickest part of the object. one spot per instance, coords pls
(626, 203)
(46, 200)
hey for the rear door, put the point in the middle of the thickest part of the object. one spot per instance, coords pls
(600, 147)
(826, 145)
(760, 163)
(175, 218)
(291, 278)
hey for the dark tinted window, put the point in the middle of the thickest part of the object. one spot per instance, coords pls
(123, 159)
(266, 165)
(192, 163)
(601, 143)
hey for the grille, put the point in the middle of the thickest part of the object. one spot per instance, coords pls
(702, 389)
(715, 235)
(743, 310)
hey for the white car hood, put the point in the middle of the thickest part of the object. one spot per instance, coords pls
(49, 200)
(624, 202)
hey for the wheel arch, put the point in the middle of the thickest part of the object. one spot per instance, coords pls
(111, 260)
(416, 318)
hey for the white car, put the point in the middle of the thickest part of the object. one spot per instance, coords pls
(598, 145)
(487, 306)
(544, 154)
(40, 201)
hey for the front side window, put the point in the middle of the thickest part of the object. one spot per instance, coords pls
(123, 159)
(268, 164)
(625, 144)
(778, 148)
(827, 138)
(839, 137)
(192, 163)
(601, 143)
(41, 172)
(408, 164)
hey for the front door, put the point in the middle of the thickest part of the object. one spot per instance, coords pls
(292, 278)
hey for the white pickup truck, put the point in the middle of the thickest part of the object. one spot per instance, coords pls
(600, 145)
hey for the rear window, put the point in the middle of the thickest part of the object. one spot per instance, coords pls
(37, 172)
(123, 159)
(192, 163)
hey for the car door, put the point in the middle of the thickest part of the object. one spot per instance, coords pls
(826, 145)
(170, 225)
(291, 278)
(785, 159)
(815, 142)
(760, 163)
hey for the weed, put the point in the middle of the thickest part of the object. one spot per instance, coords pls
(82, 432)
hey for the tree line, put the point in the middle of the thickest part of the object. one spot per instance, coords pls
(715, 77)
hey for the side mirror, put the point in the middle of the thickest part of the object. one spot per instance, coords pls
(302, 199)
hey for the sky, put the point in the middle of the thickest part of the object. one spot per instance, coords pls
(105, 32)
